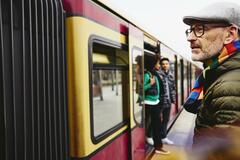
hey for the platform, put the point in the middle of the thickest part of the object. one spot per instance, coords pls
(181, 134)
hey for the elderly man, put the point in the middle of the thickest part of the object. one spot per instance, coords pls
(214, 40)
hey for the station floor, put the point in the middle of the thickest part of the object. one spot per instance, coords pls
(181, 134)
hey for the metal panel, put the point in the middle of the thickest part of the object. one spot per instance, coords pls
(33, 111)
(2, 127)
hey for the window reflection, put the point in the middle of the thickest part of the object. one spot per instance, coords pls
(137, 68)
(110, 89)
(107, 99)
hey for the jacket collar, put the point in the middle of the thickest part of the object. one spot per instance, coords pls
(231, 63)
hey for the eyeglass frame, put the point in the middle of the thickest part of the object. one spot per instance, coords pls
(192, 29)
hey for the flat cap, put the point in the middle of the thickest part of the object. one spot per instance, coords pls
(220, 12)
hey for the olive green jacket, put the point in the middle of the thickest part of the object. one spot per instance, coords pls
(221, 104)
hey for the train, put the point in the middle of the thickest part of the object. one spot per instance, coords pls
(68, 81)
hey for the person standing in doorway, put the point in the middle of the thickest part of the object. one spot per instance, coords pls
(167, 97)
(151, 101)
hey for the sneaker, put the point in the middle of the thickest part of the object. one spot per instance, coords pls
(161, 151)
(150, 141)
(167, 141)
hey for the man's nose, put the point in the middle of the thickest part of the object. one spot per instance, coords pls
(191, 37)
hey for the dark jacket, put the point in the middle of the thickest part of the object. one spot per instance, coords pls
(167, 97)
(220, 111)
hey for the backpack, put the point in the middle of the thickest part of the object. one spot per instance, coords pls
(153, 89)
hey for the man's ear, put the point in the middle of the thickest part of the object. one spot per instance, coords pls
(232, 34)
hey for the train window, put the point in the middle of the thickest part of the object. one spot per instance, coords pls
(107, 100)
(179, 85)
(182, 81)
(189, 77)
(137, 68)
(185, 73)
(109, 55)
(109, 90)
(193, 75)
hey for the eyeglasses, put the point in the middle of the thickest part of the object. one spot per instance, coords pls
(198, 30)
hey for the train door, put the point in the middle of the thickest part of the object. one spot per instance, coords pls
(136, 80)
(166, 52)
(98, 83)
(179, 83)
(176, 82)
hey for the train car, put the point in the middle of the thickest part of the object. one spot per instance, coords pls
(69, 84)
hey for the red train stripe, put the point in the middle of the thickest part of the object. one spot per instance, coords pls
(90, 10)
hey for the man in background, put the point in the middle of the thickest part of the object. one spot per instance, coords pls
(167, 98)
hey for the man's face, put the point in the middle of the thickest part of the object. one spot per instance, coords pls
(165, 65)
(209, 44)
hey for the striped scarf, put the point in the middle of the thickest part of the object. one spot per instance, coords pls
(194, 100)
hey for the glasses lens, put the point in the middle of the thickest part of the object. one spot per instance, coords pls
(198, 30)
(188, 31)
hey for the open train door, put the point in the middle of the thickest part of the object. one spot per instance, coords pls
(136, 97)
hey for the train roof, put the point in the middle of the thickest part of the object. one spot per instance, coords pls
(121, 13)
(112, 15)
